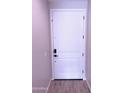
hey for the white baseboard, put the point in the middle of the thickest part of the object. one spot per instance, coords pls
(39, 88)
(48, 86)
(84, 77)
(42, 88)
(88, 85)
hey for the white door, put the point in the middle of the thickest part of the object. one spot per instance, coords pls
(68, 37)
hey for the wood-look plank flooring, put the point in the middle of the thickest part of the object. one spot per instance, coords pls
(68, 86)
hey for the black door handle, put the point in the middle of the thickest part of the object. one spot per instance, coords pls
(55, 55)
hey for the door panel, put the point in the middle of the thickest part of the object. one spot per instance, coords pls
(68, 31)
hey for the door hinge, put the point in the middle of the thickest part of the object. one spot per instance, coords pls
(83, 17)
(51, 20)
(83, 36)
(82, 54)
(82, 71)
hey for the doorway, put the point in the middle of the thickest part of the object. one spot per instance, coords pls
(68, 43)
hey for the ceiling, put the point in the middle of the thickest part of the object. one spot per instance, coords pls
(66, 0)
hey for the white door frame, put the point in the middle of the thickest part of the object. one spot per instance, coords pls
(51, 32)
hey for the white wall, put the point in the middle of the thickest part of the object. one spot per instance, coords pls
(68, 4)
(41, 63)
(88, 45)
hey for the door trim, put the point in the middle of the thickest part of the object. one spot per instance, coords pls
(51, 34)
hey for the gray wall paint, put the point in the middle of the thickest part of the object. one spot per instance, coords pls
(68, 4)
(88, 45)
(41, 61)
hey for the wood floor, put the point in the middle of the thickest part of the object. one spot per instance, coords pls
(68, 86)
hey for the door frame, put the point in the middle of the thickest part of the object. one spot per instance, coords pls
(51, 34)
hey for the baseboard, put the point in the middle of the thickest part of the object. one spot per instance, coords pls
(84, 78)
(38, 89)
(88, 85)
(45, 89)
(48, 86)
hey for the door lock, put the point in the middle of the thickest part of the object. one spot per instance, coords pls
(55, 55)
(55, 51)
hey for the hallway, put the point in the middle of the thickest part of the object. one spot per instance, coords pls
(61, 46)
(68, 86)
